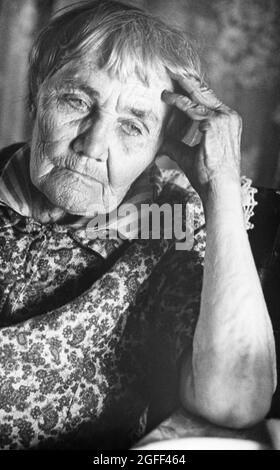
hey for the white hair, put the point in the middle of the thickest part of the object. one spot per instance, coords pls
(124, 39)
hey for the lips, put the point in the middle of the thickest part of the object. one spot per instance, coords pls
(78, 173)
(83, 166)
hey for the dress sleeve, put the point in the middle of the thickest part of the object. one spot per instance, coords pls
(177, 298)
(175, 290)
(178, 276)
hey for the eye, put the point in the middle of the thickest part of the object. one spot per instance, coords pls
(131, 128)
(76, 102)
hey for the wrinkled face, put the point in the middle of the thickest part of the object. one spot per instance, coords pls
(94, 135)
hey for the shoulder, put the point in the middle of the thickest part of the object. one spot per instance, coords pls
(173, 187)
(172, 179)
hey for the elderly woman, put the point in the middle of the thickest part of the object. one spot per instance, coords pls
(98, 335)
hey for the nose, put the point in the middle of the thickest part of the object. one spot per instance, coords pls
(93, 142)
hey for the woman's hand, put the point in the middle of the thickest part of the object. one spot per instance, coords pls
(217, 156)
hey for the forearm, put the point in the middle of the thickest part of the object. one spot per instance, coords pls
(232, 371)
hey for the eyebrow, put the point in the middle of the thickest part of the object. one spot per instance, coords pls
(143, 114)
(79, 85)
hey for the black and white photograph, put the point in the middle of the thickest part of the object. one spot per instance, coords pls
(139, 228)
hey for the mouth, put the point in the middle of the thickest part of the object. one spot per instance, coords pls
(82, 167)
(82, 176)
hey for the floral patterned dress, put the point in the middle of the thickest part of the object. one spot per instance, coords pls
(91, 331)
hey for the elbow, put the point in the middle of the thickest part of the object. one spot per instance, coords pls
(236, 413)
(239, 417)
(247, 407)
(226, 400)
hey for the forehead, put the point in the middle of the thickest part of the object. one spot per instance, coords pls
(84, 72)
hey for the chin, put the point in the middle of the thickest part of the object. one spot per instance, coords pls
(78, 201)
(75, 196)
(83, 212)
(86, 208)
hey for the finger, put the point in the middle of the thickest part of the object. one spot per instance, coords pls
(199, 92)
(179, 152)
(193, 110)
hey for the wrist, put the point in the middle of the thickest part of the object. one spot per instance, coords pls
(222, 195)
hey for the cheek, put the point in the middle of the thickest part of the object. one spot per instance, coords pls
(129, 160)
(54, 127)
(52, 135)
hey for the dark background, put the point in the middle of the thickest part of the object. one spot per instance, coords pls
(239, 41)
